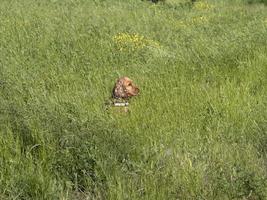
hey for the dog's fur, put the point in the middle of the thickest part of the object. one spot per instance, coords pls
(124, 89)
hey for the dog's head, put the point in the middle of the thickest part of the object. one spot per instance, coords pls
(124, 88)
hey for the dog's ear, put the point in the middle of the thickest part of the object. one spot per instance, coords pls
(119, 90)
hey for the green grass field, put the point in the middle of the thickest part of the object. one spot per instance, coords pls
(197, 131)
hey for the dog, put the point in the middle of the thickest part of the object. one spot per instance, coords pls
(124, 89)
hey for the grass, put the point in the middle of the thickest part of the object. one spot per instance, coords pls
(198, 130)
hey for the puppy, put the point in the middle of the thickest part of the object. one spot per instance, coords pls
(124, 89)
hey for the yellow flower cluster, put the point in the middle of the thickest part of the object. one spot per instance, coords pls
(201, 5)
(133, 41)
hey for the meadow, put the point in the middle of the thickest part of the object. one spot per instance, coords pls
(197, 131)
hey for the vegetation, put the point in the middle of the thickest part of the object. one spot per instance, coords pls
(198, 129)
(257, 1)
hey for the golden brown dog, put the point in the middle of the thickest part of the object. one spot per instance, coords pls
(124, 88)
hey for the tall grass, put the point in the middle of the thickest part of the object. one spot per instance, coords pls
(197, 131)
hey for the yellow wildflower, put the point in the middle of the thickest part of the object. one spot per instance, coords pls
(133, 41)
(200, 5)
